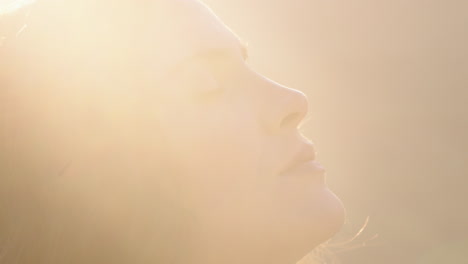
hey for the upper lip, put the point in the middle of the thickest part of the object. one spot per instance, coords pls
(305, 153)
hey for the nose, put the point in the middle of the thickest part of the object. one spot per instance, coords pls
(284, 108)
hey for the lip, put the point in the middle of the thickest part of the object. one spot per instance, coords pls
(310, 168)
(304, 164)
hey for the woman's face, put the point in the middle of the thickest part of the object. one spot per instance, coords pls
(245, 172)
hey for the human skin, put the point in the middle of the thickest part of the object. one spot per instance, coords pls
(232, 131)
(228, 131)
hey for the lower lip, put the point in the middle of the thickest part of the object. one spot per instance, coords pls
(311, 169)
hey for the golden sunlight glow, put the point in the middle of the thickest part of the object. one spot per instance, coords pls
(8, 6)
(94, 91)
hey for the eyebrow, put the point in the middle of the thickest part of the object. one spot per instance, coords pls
(214, 52)
(243, 46)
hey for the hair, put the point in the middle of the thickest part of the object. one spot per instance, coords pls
(73, 155)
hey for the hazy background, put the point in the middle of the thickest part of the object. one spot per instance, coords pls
(388, 86)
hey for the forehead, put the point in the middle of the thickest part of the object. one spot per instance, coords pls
(184, 28)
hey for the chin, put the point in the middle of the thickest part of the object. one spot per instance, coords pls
(316, 226)
(331, 215)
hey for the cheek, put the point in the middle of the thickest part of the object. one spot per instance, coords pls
(217, 153)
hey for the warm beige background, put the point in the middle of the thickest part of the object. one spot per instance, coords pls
(388, 86)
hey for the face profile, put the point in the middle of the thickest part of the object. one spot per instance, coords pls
(168, 135)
